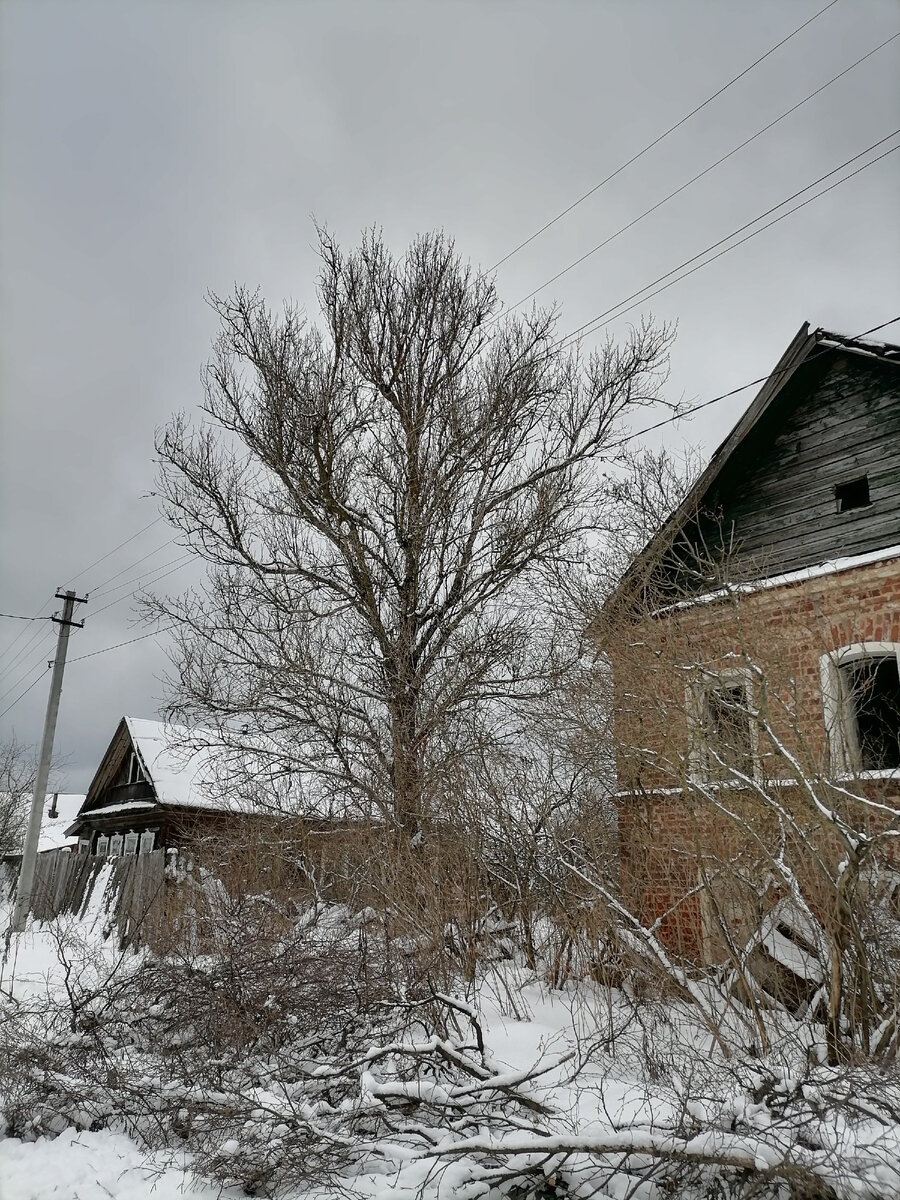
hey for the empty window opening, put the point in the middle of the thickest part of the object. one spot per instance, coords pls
(726, 731)
(853, 494)
(871, 687)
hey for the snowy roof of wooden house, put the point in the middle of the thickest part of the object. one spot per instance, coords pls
(178, 771)
(186, 770)
(60, 809)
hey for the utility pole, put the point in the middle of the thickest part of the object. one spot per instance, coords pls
(39, 795)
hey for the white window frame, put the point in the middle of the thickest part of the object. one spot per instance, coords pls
(135, 770)
(130, 843)
(837, 706)
(102, 845)
(84, 845)
(698, 690)
(115, 844)
(147, 842)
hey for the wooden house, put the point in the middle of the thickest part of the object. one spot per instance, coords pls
(755, 641)
(60, 808)
(154, 791)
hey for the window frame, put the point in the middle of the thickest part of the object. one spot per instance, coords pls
(145, 846)
(698, 692)
(135, 772)
(104, 849)
(116, 837)
(841, 729)
(132, 839)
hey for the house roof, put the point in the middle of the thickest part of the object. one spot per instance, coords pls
(181, 774)
(53, 829)
(804, 347)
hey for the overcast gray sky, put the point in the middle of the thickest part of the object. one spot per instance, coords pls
(154, 151)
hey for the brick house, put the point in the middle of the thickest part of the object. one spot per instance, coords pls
(755, 645)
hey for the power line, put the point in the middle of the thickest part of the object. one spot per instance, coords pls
(46, 638)
(656, 141)
(700, 174)
(36, 636)
(687, 412)
(22, 632)
(629, 437)
(179, 563)
(109, 553)
(22, 695)
(119, 645)
(45, 635)
(620, 308)
(42, 634)
(98, 595)
(16, 617)
(98, 588)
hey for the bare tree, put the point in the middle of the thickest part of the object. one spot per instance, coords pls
(17, 768)
(377, 502)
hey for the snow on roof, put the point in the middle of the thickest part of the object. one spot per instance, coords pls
(181, 773)
(53, 829)
(833, 566)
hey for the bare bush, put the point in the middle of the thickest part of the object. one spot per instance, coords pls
(745, 844)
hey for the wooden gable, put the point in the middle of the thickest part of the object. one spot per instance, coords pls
(115, 781)
(810, 474)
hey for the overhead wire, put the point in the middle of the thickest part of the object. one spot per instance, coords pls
(623, 306)
(118, 645)
(700, 174)
(109, 553)
(84, 571)
(657, 140)
(594, 323)
(179, 563)
(18, 683)
(41, 634)
(44, 637)
(694, 408)
(634, 158)
(99, 587)
(627, 438)
(24, 630)
(22, 695)
(183, 558)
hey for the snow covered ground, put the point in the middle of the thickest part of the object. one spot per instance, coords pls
(84, 1165)
(647, 1075)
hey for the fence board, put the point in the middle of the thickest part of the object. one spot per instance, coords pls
(135, 895)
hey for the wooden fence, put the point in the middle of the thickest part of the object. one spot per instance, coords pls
(135, 895)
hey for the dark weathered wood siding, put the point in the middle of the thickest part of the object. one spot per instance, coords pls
(773, 508)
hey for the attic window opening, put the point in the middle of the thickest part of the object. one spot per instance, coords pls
(852, 494)
(134, 772)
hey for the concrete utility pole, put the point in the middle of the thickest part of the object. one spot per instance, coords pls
(39, 796)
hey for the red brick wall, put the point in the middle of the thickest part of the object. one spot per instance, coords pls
(783, 629)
